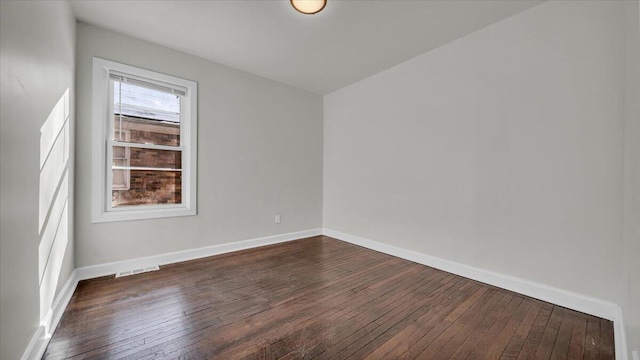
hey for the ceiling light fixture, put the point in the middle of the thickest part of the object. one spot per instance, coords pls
(309, 7)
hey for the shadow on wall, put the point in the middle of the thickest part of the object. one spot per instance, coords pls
(53, 223)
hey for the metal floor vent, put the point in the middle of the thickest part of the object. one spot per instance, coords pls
(137, 271)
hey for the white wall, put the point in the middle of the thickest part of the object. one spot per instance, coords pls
(631, 245)
(502, 150)
(37, 59)
(260, 154)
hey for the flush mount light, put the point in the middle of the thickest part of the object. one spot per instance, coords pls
(309, 7)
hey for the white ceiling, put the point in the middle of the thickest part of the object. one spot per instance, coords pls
(348, 41)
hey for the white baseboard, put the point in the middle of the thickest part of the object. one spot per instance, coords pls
(620, 336)
(568, 299)
(94, 271)
(61, 302)
(49, 322)
(36, 346)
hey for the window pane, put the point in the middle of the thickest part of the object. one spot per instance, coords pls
(146, 158)
(164, 159)
(120, 177)
(119, 152)
(145, 116)
(135, 182)
(135, 100)
(149, 187)
(145, 131)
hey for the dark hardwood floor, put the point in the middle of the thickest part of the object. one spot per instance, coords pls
(316, 298)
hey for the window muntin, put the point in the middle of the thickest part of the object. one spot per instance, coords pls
(148, 160)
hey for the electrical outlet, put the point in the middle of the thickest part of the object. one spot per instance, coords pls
(635, 355)
(277, 219)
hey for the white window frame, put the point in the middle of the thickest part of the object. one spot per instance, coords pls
(101, 146)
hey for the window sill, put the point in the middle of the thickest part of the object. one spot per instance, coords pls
(142, 214)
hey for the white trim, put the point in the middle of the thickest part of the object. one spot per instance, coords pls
(147, 207)
(144, 146)
(61, 302)
(40, 339)
(102, 147)
(36, 346)
(148, 212)
(620, 336)
(144, 168)
(149, 83)
(568, 299)
(89, 272)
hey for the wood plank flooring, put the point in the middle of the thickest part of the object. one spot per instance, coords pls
(317, 298)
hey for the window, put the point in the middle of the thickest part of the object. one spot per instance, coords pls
(144, 144)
